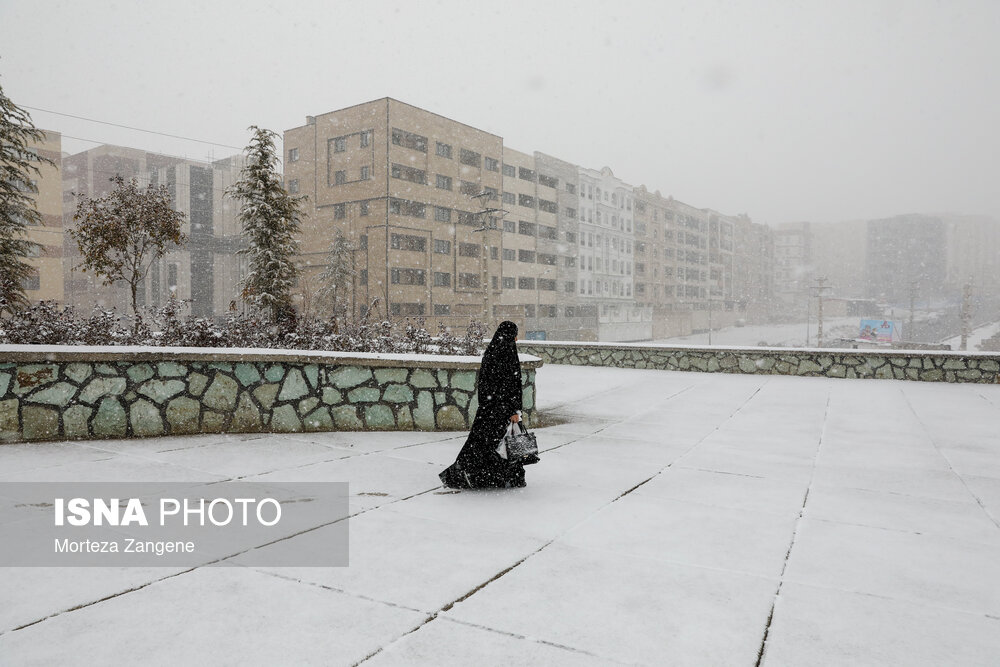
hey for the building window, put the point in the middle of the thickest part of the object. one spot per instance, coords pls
(508, 283)
(494, 252)
(293, 186)
(407, 309)
(526, 174)
(468, 280)
(570, 288)
(293, 154)
(407, 276)
(340, 177)
(442, 279)
(547, 284)
(442, 309)
(570, 237)
(570, 310)
(339, 144)
(508, 170)
(544, 258)
(491, 164)
(525, 283)
(570, 261)
(570, 212)
(546, 232)
(529, 311)
(366, 138)
(548, 206)
(339, 211)
(466, 218)
(363, 277)
(493, 281)
(409, 140)
(526, 200)
(442, 214)
(527, 228)
(509, 254)
(366, 173)
(526, 256)
(410, 174)
(444, 150)
(509, 198)
(468, 250)
(443, 182)
(470, 158)
(492, 192)
(363, 242)
(508, 226)
(33, 281)
(442, 247)
(469, 188)
(408, 242)
(408, 208)
(570, 188)
(363, 206)
(548, 181)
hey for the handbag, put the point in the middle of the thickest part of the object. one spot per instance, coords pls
(519, 446)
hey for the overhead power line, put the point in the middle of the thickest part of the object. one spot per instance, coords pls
(129, 127)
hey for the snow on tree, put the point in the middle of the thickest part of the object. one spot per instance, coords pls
(270, 218)
(338, 274)
(18, 163)
(122, 233)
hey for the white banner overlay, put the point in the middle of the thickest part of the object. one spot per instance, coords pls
(173, 524)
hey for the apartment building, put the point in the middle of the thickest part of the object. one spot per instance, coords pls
(905, 253)
(46, 282)
(794, 267)
(205, 272)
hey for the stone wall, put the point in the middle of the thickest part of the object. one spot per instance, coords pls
(927, 366)
(51, 393)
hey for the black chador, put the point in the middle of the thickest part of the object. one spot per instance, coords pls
(478, 465)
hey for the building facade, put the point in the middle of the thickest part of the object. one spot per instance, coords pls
(204, 272)
(46, 282)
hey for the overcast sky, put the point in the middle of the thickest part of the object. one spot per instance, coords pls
(787, 111)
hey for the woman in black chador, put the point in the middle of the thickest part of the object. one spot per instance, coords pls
(478, 465)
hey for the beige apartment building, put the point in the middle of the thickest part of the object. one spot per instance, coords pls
(204, 272)
(447, 223)
(46, 284)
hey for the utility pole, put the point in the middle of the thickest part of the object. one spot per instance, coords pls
(820, 287)
(488, 221)
(913, 298)
(966, 315)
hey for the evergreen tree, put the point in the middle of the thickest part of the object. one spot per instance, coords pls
(338, 274)
(18, 164)
(270, 218)
(121, 234)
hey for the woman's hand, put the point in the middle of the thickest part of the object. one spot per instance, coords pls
(515, 418)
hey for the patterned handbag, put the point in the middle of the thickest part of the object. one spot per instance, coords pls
(519, 446)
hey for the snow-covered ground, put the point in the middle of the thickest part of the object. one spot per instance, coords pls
(773, 335)
(675, 519)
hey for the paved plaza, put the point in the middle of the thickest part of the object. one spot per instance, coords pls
(675, 519)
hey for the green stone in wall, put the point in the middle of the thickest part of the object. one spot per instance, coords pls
(57, 394)
(379, 417)
(363, 395)
(39, 423)
(172, 369)
(161, 390)
(293, 387)
(422, 379)
(75, 372)
(461, 398)
(464, 380)
(349, 376)
(183, 414)
(306, 405)
(397, 393)
(145, 418)
(346, 417)
(318, 420)
(221, 394)
(385, 375)
(331, 396)
(5, 379)
(9, 426)
(423, 414)
(404, 420)
(312, 375)
(110, 420)
(284, 419)
(247, 374)
(265, 395)
(197, 383)
(449, 418)
(140, 372)
(274, 373)
(102, 386)
(75, 421)
(32, 376)
(246, 418)
(528, 398)
(213, 422)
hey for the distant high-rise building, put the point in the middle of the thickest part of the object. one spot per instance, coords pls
(906, 253)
